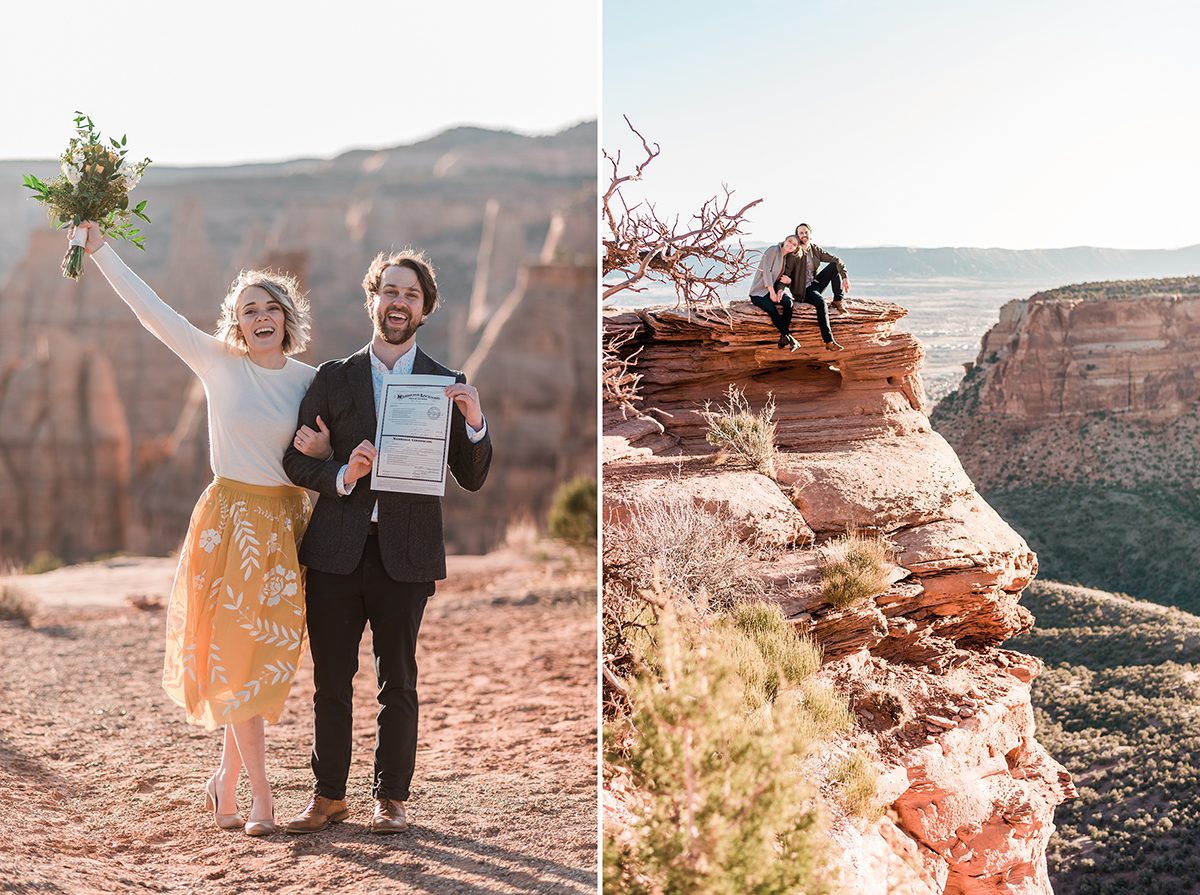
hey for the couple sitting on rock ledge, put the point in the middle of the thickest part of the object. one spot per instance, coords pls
(788, 272)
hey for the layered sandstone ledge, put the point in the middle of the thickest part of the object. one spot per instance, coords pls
(943, 709)
(1092, 383)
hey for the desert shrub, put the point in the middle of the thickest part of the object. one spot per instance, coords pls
(16, 605)
(858, 786)
(686, 549)
(43, 561)
(882, 708)
(738, 431)
(573, 512)
(853, 568)
(724, 808)
(669, 546)
(767, 651)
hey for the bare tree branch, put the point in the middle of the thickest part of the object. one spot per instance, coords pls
(699, 260)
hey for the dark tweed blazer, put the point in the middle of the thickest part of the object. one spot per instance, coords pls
(410, 525)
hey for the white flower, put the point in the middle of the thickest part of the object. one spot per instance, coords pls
(72, 174)
(132, 176)
(280, 582)
(210, 539)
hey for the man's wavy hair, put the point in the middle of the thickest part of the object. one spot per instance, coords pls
(416, 261)
(285, 289)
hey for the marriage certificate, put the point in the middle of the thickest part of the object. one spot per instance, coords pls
(412, 434)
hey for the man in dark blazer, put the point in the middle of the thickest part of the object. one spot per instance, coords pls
(373, 556)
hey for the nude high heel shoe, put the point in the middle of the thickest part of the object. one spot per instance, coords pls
(261, 827)
(224, 821)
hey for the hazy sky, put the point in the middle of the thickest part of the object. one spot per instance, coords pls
(221, 81)
(926, 123)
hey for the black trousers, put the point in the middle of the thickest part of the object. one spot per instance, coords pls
(812, 296)
(781, 314)
(339, 606)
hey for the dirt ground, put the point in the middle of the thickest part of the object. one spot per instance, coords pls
(102, 777)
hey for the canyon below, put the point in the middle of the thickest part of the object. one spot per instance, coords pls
(1080, 422)
(103, 433)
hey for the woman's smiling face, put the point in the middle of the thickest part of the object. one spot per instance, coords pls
(261, 319)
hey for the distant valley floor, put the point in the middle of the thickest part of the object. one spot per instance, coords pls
(1119, 706)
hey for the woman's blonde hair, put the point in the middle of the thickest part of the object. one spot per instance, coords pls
(284, 288)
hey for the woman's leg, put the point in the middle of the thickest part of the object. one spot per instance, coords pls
(251, 744)
(764, 302)
(226, 778)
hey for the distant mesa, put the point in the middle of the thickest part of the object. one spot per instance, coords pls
(1080, 421)
(1033, 265)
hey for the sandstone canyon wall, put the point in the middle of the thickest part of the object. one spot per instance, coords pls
(103, 438)
(1081, 419)
(941, 707)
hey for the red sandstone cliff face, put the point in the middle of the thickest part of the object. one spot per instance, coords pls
(1052, 356)
(942, 708)
(505, 218)
(1092, 382)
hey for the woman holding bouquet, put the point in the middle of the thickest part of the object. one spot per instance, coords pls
(235, 624)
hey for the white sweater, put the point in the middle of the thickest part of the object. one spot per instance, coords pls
(251, 409)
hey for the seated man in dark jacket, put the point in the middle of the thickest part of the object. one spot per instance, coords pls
(807, 283)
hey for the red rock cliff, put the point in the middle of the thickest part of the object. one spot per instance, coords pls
(971, 792)
(1086, 383)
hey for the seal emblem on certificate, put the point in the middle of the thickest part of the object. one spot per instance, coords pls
(412, 434)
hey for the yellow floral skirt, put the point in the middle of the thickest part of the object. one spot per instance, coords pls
(235, 624)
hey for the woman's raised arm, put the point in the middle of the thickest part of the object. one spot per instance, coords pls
(195, 347)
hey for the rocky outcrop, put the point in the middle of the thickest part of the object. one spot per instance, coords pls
(1122, 348)
(323, 220)
(1080, 419)
(944, 711)
(1069, 376)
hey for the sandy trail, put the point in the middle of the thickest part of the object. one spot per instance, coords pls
(102, 777)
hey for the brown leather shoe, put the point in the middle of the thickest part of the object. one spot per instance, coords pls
(389, 817)
(320, 813)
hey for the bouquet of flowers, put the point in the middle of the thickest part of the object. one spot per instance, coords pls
(94, 186)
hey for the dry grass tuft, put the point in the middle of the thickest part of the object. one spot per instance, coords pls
(684, 549)
(43, 561)
(854, 568)
(859, 786)
(669, 546)
(521, 534)
(16, 605)
(738, 431)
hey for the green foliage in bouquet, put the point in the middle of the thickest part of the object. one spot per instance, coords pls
(94, 186)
